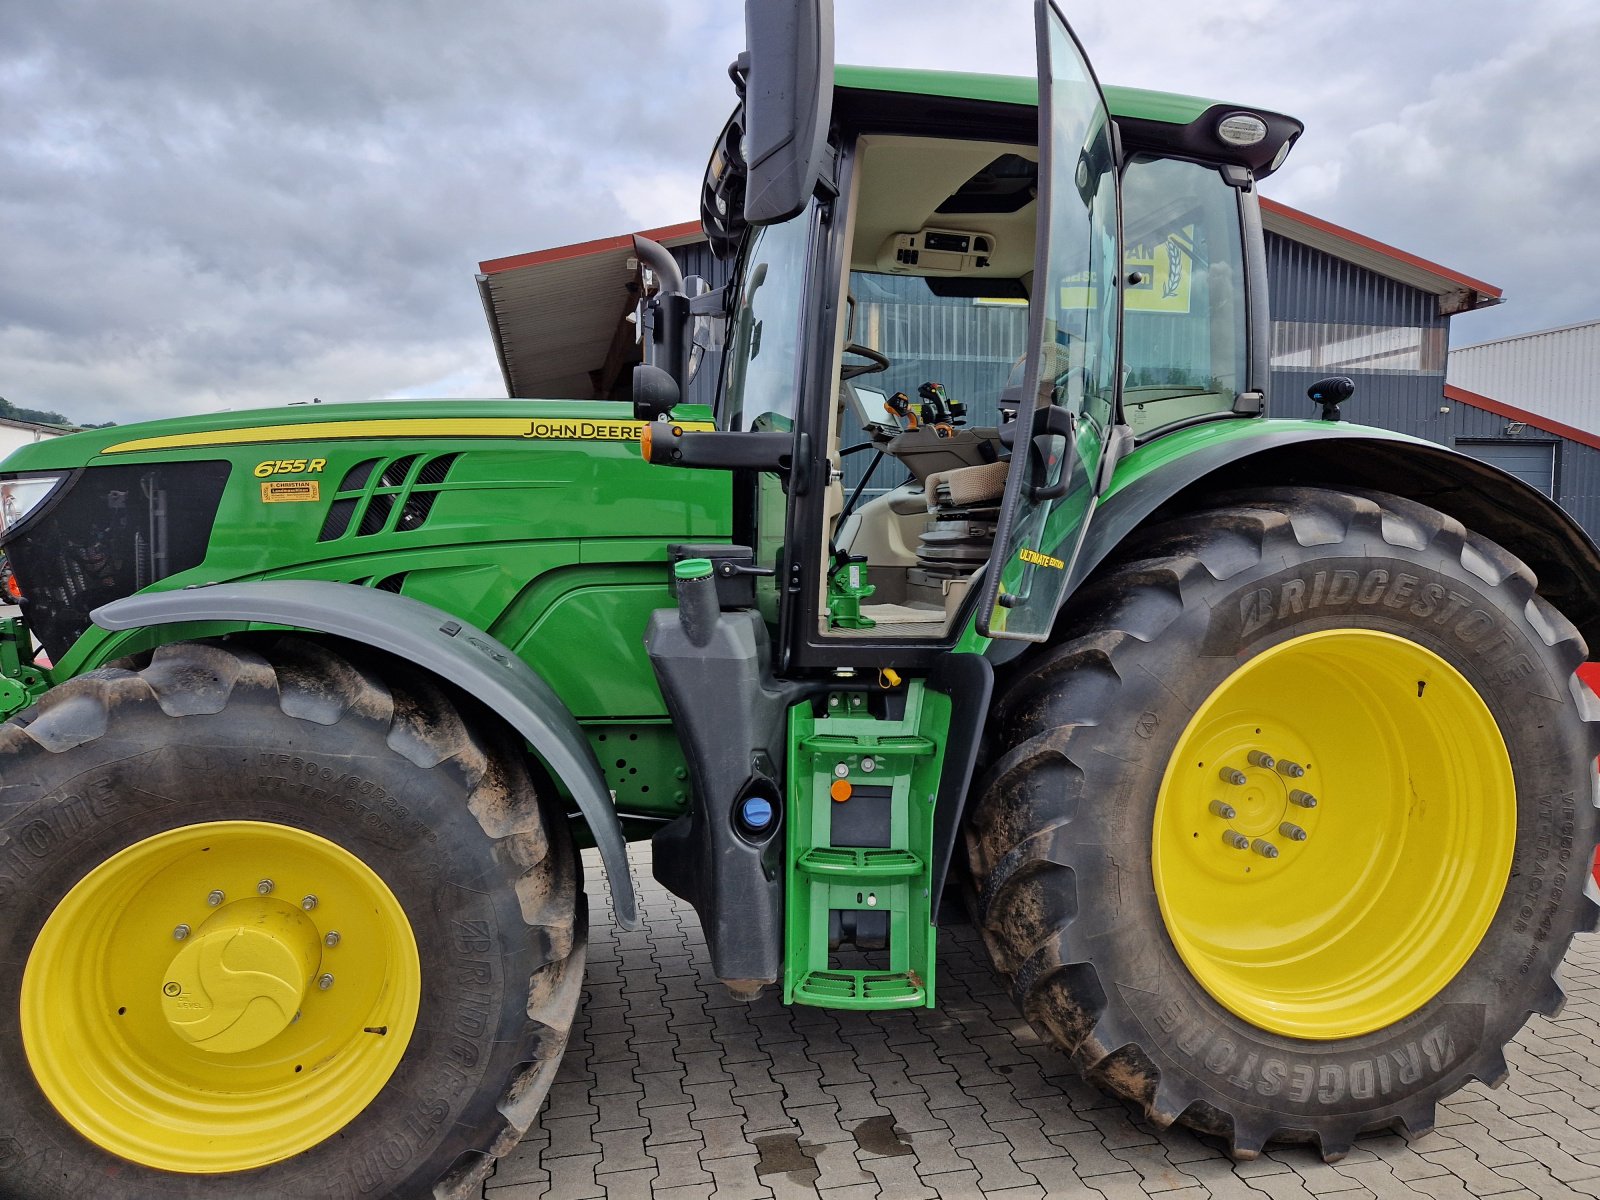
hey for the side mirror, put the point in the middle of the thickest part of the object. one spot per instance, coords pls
(788, 97)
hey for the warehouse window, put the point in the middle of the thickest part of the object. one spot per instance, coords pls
(1333, 346)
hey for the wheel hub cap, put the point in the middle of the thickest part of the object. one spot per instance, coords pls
(240, 980)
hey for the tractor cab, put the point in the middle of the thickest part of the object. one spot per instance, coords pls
(933, 423)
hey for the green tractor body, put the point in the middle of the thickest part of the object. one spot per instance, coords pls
(1253, 745)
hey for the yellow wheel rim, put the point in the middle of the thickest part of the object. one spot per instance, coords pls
(220, 996)
(1344, 916)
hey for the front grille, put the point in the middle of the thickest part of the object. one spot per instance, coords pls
(116, 531)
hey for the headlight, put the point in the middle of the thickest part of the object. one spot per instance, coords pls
(1242, 129)
(20, 496)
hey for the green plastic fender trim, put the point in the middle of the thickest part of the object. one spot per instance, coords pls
(462, 654)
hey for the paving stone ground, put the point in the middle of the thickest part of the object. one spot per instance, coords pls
(672, 1090)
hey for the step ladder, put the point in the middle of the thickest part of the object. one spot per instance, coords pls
(862, 791)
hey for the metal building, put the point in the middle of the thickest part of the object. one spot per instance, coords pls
(1342, 303)
(1553, 372)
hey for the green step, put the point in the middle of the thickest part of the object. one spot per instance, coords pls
(890, 746)
(892, 764)
(859, 863)
(861, 989)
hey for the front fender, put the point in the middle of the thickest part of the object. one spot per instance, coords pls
(458, 653)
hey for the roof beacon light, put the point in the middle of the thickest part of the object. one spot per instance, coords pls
(1241, 129)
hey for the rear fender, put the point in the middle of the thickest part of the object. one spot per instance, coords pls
(1180, 472)
(459, 654)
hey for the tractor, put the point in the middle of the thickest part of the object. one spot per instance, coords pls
(1253, 747)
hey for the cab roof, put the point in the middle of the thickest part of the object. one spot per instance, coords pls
(1166, 122)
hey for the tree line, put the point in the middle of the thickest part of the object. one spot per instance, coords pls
(40, 416)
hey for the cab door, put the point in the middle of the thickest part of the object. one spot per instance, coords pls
(1068, 400)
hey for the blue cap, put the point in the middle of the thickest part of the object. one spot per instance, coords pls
(756, 812)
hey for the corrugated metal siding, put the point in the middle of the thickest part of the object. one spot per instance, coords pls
(1308, 285)
(1553, 373)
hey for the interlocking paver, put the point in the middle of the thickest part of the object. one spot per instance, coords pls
(673, 1090)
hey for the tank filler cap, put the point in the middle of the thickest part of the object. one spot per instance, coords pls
(756, 813)
(692, 568)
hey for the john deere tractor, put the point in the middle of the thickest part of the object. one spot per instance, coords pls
(1253, 746)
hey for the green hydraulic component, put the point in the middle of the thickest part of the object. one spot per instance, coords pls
(862, 791)
(21, 683)
(847, 588)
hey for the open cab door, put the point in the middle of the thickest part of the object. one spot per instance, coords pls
(1068, 401)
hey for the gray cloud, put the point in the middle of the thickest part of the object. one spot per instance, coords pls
(208, 203)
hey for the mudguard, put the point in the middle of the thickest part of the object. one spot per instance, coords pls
(1176, 473)
(458, 653)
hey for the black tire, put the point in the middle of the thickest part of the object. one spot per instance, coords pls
(451, 822)
(1060, 842)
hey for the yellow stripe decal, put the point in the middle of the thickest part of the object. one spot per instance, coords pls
(531, 428)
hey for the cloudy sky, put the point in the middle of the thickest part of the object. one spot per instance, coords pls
(216, 204)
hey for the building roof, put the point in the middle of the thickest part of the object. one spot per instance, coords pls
(1551, 372)
(555, 314)
(1512, 413)
(1457, 292)
(37, 428)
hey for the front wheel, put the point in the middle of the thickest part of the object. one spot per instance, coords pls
(1287, 838)
(273, 921)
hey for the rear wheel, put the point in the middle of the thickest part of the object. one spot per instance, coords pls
(1287, 838)
(273, 922)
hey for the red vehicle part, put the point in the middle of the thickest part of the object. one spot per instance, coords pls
(1590, 674)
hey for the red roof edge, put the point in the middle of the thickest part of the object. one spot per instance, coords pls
(581, 249)
(1511, 413)
(1360, 239)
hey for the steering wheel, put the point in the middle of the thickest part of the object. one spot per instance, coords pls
(875, 363)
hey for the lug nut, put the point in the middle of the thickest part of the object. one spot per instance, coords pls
(264, 888)
(840, 770)
(181, 932)
(1260, 758)
(332, 938)
(326, 981)
(1264, 848)
(1302, 799)
(215, 898)
(1237, 840)
(1232, 775)
(869, 764)
(1292, 831)
(1225, 811)
(1292, 769)
(308, 902)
